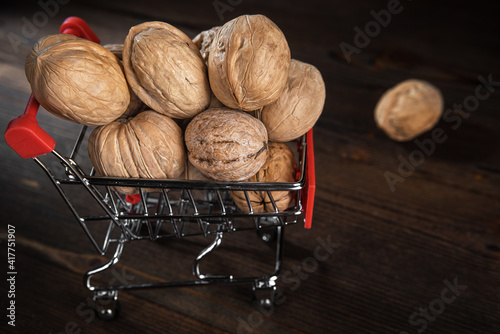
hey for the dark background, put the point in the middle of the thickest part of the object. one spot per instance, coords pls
(398, 250)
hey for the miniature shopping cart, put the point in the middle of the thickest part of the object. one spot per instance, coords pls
(161, 209)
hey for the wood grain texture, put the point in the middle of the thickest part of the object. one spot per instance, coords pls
(392, 251)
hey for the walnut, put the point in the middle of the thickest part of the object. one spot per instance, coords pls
(193, 173)
(214, 103)
(409, 109)
(149, 145)
(299, 107)
(165, 69)
(226, 144)
(77, 80)
(135, 105)
(248, 62)
(116, 49)
(280, 166)
(203, 41)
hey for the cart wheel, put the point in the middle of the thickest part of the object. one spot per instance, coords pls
(266, 303)
(106, 305)
(269, 231)
(267, 234)
(108, 312)
(264, 293)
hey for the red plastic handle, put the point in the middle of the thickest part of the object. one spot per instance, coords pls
(76, 26)
(23, 134)
(26, 137)
(309, 189)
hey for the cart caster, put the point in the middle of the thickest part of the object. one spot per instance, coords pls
(106, 305)
(267, 235)
(269, 232)
(264, 293)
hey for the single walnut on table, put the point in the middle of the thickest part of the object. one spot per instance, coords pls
(409, 109)
(280, 166)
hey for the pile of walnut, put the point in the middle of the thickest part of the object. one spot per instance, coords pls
(221, 106)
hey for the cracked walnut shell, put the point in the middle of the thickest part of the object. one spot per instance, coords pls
(226, 144)
(165, 69)
(203, 41)
(77, 80)
(409, 109)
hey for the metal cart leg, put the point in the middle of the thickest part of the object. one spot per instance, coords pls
(196, 263)
(106, 303)
(265, 288)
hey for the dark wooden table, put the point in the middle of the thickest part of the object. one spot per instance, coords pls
(422, 257)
